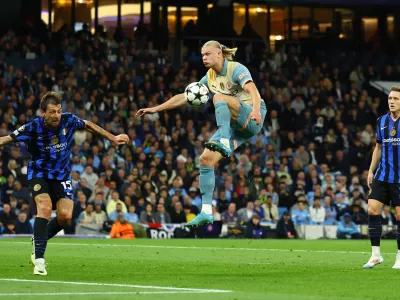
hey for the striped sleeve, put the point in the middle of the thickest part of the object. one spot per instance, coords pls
(23, 133)
(378, 131)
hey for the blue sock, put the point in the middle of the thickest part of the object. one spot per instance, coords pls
(223, 116)
(207, 184)
(40, 236)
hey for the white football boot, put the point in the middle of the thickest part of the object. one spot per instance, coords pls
(40, 267)
(373, 261)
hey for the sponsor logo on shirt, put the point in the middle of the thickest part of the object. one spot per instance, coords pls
(244, 74)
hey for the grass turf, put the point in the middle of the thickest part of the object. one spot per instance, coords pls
(251, 269)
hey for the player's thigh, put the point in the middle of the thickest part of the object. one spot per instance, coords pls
(239, 138)
(395, 198)
(378, 197)
(39, 189)
(61, 192)
(233, 104)
(245, 124)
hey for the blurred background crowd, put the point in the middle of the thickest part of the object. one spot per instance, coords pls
(308, 165)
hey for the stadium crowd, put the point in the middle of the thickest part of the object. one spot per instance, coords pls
(307, 166)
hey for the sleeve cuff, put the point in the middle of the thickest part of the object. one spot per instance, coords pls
(248, 80)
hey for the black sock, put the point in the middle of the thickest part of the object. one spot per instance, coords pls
(40, 236)
(375, 230)
(398, 235)
(53, 228)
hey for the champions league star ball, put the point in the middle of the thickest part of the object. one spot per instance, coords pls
(196, 94)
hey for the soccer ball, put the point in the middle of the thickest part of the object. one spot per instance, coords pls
(196, 94)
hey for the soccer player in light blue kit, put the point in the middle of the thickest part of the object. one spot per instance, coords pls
(239, 112)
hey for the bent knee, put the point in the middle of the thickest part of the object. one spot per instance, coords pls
(372, 211)
(207, 159)
(218, 98)
(64, 220)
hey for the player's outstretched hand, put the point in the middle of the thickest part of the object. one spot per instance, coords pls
(256, 116)
(121, 139)
(145, 111)
(370, 179)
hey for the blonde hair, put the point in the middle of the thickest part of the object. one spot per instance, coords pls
(227, 53)
(395, 88)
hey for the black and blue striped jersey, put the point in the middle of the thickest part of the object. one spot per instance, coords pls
(50, 148)
(388, 134)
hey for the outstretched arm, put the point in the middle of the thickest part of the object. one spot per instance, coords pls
(4, 140)
(118, 140)
(174, 102)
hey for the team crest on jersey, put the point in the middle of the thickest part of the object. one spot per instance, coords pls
(393, 132)
(54, 140)
(37, 187)
(64, 131)
(22, 128)
(222, 86)
(228, 85)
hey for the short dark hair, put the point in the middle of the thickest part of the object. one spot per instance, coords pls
(50, 98)
(395, 88)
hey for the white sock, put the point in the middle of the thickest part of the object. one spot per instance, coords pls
(376, 251)
(39, 260)
(206, 208)
(398, 255)
(226, 143)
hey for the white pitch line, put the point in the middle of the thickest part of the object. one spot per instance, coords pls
(204, 248)
(117, 285)
(94, 293)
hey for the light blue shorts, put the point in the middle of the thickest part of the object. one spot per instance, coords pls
(244, 128)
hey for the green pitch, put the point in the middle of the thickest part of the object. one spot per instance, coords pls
(198, 269)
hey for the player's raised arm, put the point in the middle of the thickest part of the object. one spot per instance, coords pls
(174, 102)
(115, 139)
(4, 140)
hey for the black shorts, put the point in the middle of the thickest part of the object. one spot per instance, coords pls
(54, 188)
(387, 193)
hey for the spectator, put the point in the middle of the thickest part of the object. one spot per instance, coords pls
(90, 177)
(7, 216)
(132, 217)
(301, 215)
(121, 229)
(330, 211)
(347, 228)
(22, 225)
(161, 216)
(118, 211)
(21, 193)
(259, 210)
(147, 216)
(230, 215)
(188, 213)
(254, 230)
(99, 215)
(285, 228)
(246, 213)
(177, 214)
(270, 210)
(87, 216)
(112, 204)
(317, 212)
